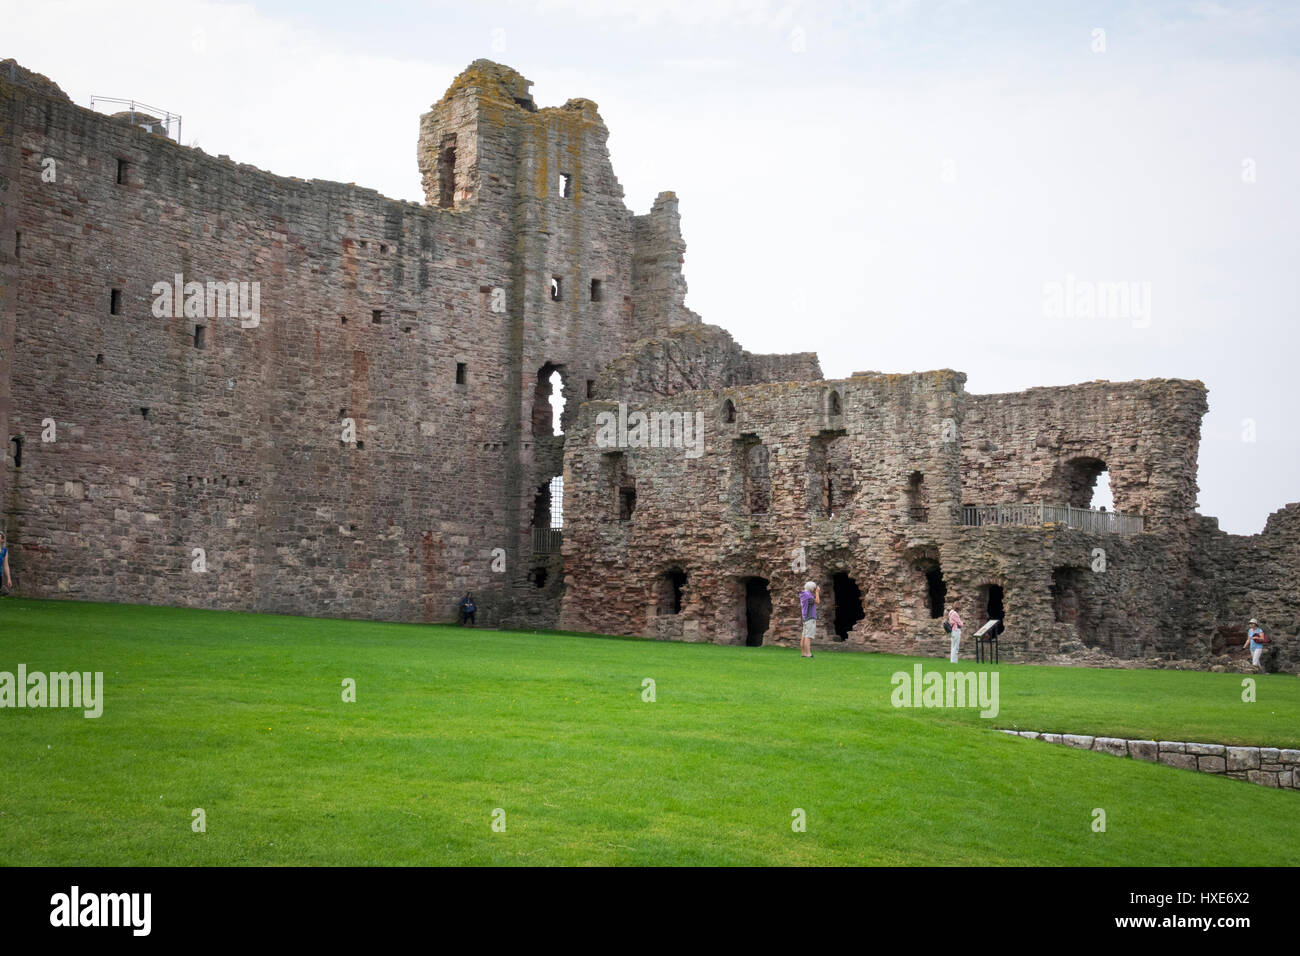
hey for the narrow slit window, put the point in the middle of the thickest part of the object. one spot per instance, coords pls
(377, 316)
(596, 290)
(18, 450)
(556, 286)
(18, 245)
(123, 168)
(566, 185)
(447, 172)
(460, 373)
(200, 336)
(115, 302)
(591, 388)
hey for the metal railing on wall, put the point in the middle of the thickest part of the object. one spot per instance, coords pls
(135, 106)
(1091, 520)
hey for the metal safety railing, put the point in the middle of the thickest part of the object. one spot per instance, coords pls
(1091, 520)
(135, 106)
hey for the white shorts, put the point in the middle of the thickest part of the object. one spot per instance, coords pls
(810, 628)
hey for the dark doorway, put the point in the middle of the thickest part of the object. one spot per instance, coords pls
(848, 604)
(936, 590)
(671, 585)
(993, 608)
(758, 610)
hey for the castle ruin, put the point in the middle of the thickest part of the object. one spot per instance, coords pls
(227, 389)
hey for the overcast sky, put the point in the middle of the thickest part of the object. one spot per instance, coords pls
(899, 186)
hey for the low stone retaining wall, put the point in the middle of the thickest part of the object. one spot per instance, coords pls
(1267, 766)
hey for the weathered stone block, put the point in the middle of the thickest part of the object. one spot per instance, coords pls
(1182, 761)
(1290, 757)
(1211, 764)
(1270, 754)
(1115, 746)
(1052, 738)
(1286, 778)
(1262, 777)
(1172, 747)
(1080, 741)
(1143, 750)
(1243, 758)
(1206, 750)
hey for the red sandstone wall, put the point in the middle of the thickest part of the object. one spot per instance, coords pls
(240, 452)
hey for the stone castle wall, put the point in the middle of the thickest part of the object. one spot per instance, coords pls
(866, 477)
(372, 310)
(382, 435)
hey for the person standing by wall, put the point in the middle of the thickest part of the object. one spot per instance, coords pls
(809, 598)
(4, 560)
(954, 630)
(1255, 641)
(467, 610)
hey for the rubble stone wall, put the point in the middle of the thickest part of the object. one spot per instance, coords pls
(866, 477)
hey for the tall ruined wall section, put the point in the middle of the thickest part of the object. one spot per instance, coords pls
(177, 433)
(540, 186)
(658, 254)
(1038, 444)
(1237, 577)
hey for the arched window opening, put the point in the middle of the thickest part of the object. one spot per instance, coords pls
(1079, 478)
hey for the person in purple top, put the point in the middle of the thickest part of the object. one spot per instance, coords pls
(809, 598)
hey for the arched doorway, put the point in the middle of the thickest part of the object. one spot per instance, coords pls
(758, 610)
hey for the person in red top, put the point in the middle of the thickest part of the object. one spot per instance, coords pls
(955, 620)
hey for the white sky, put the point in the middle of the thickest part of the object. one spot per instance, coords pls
(889, 184)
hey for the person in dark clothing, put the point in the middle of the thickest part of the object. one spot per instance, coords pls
(467, 609)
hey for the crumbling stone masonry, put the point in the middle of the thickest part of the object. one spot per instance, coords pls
(349, 415)
(869, 485)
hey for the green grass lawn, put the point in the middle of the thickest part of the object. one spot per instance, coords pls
(242, 715)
